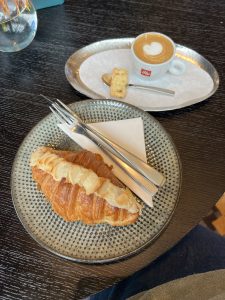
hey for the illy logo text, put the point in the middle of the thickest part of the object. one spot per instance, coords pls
(146, 72)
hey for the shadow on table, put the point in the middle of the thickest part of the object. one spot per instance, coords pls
(91, 285)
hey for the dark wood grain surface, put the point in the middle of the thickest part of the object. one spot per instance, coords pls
(27, 271)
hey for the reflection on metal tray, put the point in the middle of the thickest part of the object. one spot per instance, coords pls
(75, 61)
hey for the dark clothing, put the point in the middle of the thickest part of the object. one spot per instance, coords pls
(201, 250)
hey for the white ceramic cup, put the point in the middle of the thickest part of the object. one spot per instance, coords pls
(147, 71)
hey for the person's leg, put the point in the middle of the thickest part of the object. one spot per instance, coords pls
(201, 250)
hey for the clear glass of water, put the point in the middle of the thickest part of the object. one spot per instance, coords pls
(18, 24)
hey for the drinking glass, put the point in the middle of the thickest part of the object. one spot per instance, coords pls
(18, 24)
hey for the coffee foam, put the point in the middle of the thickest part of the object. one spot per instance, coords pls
(154, 48)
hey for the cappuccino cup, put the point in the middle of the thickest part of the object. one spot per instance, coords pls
(153, 55)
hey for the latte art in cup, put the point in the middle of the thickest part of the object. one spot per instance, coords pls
(153, 48)
(153, 55)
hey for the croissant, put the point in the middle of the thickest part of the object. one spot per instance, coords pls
(81, 187)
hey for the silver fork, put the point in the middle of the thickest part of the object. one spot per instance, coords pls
(65, 114)
(141, 181)
(132, 173)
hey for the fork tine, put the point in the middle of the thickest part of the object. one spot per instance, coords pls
(60, 106)
(67, 119)
(64, 109)
(61, 117)
(69, 110)
(64, 112)
(57, 115)
(60, 110)
(46, 98)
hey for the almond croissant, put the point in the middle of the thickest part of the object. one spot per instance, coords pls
(80, 186)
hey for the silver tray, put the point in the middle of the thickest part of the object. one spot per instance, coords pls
(100, 243)
(74, 62)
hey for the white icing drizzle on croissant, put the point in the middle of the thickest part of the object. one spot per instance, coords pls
(59, 168)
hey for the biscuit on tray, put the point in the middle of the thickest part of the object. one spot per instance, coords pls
(119, 83)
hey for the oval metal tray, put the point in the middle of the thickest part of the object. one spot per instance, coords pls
(75, 61)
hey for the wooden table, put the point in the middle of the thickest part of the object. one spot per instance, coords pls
(27, 271)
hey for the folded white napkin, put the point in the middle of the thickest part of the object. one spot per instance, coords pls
(129, 134)
(193, 84)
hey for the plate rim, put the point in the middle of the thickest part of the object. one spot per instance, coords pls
(125, 43)
(114, 259)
